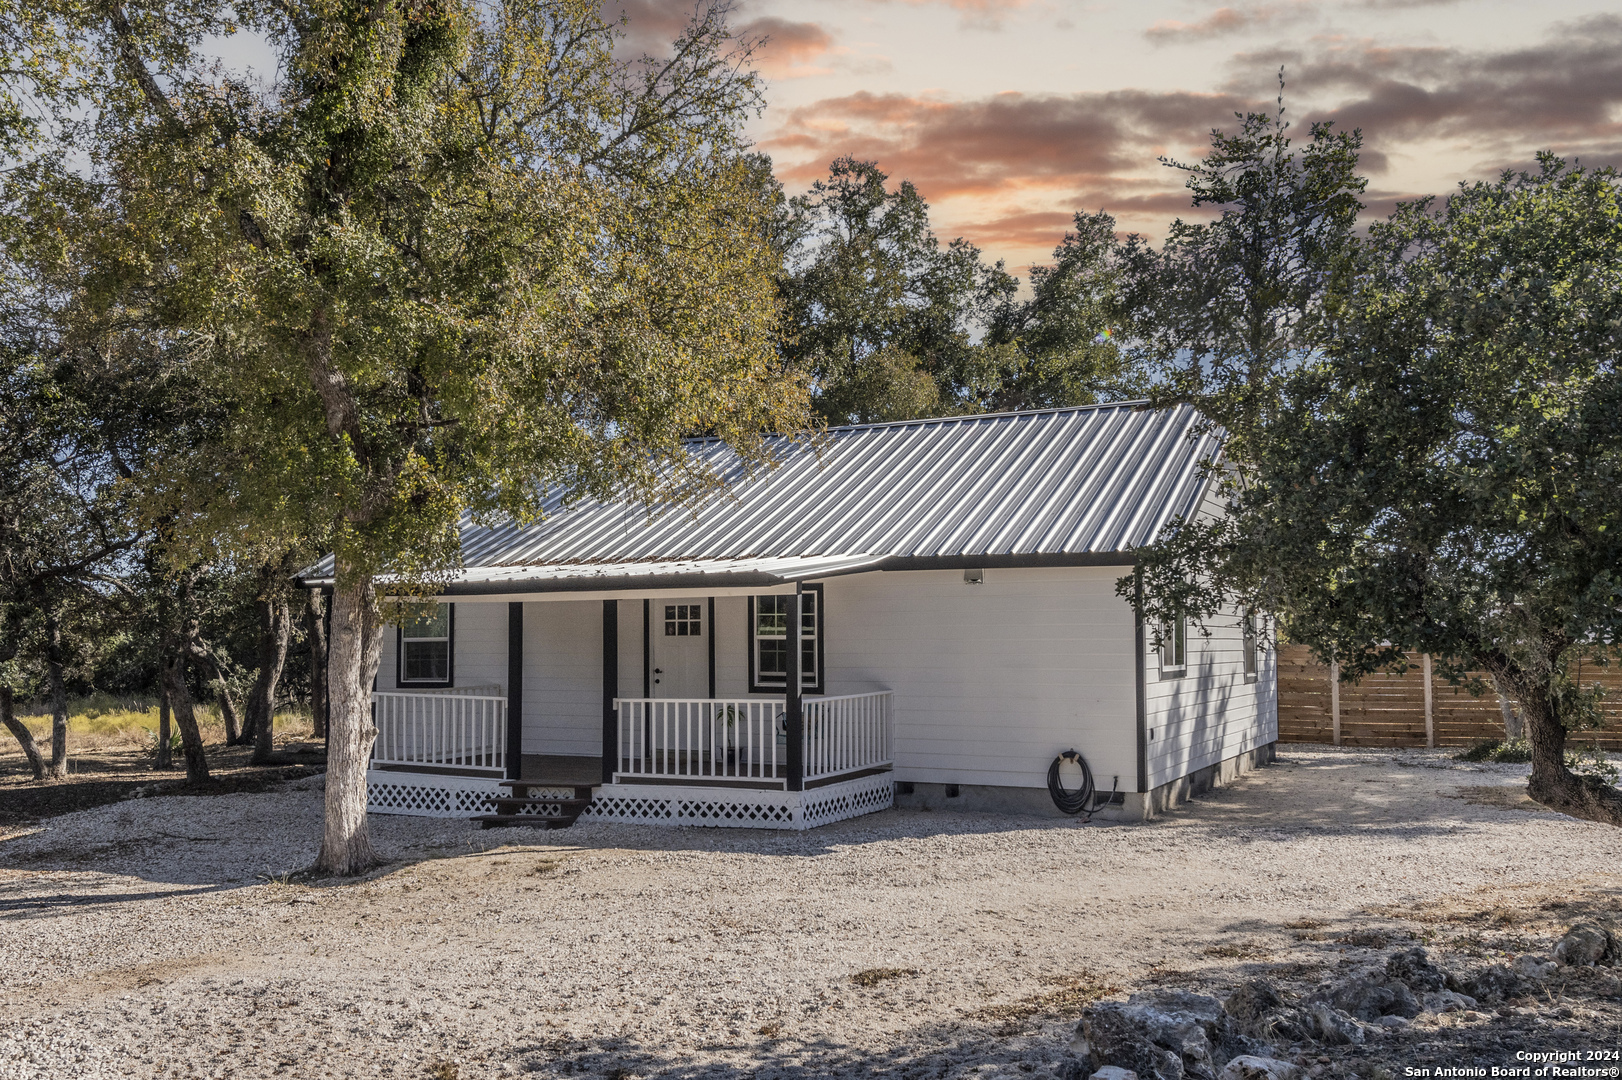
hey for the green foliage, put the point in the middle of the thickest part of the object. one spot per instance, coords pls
(1228, 308)
(1586, 761)
(891, 324)
(878, 312)
(461, 255)
(1444, 476)
(1504, 751)
(1058, 346)
(1593, 762)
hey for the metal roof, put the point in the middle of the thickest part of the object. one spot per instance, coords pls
(1084, 484)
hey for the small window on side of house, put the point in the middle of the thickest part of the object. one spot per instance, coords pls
(425, 646)
(1174, 646)
(1252, 665)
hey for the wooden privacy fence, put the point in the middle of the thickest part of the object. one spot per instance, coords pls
(1411, 709)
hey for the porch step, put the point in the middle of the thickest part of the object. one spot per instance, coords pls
(549, 812)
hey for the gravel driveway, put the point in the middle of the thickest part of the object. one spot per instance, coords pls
(158, 937)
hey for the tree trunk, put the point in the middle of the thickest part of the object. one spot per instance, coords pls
(273, 634)
(1551, 783)
(191, 739)
(346, 842)
(30, 748)
(1514, 726)
(228, 706)
(315, 621)
(166, 752)
(59, 698)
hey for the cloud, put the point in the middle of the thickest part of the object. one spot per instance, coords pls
(788, 49)
(975, 14)
(1230, 20)
(1563, 93)
(1005, 144)
(650, 25)
(1007, 170)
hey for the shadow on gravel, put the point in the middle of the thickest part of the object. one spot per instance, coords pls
(50, 905)
(24, 801)
(935, 1051)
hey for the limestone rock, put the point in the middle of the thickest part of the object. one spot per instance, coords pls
(1110, 1072)
(1535, 968)
(1250, 1067)
(1441, 1001)
(1370, 999)
(1413, 968)
(1584, 945)
(1117, 1037)
(1494, 984)
(1262, 1012)
(1333, 1027)
(1168, 1036)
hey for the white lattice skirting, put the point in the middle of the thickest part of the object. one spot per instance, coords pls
(423, 795)
(741, 808)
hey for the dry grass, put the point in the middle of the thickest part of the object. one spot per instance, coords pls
(102, 722)
(1070, 993)
(874, 976)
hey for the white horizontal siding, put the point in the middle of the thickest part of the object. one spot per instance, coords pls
(563, 676)
(1213, 711)
(481, 645)
(992, 681)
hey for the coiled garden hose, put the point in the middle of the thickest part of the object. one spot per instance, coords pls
(1076, 802)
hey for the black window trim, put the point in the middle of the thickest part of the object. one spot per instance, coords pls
(1169, 632)
(755, 685)
(402, 683)
(1250, 647)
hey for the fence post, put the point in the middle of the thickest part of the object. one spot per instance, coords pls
(1430, 713)
(1334, 697)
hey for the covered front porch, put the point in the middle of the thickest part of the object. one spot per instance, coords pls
(784, 760)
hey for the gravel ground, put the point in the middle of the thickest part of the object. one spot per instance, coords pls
(163, 937)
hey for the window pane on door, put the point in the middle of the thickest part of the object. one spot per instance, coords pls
(684, 620)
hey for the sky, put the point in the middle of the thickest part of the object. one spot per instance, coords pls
(1012, 115)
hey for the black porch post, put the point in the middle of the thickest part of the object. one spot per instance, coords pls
(611, 687)
(515, 691)
(793, 712)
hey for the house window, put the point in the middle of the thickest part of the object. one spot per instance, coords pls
(425, 646)
(768, 641)
(683, 620)
(1249, 627)
(1174, 646)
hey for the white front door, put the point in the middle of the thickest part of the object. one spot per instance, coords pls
(681, 649)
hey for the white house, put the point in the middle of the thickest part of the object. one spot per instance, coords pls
(958, 628)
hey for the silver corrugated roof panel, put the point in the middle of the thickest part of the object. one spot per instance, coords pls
(1078, 482)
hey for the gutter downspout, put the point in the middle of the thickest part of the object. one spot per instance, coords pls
(1141, 660)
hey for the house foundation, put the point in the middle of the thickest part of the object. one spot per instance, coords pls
(1132, 805)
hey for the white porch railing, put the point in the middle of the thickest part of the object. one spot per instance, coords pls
(460, 728)
(847, 733)
(744, 740)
